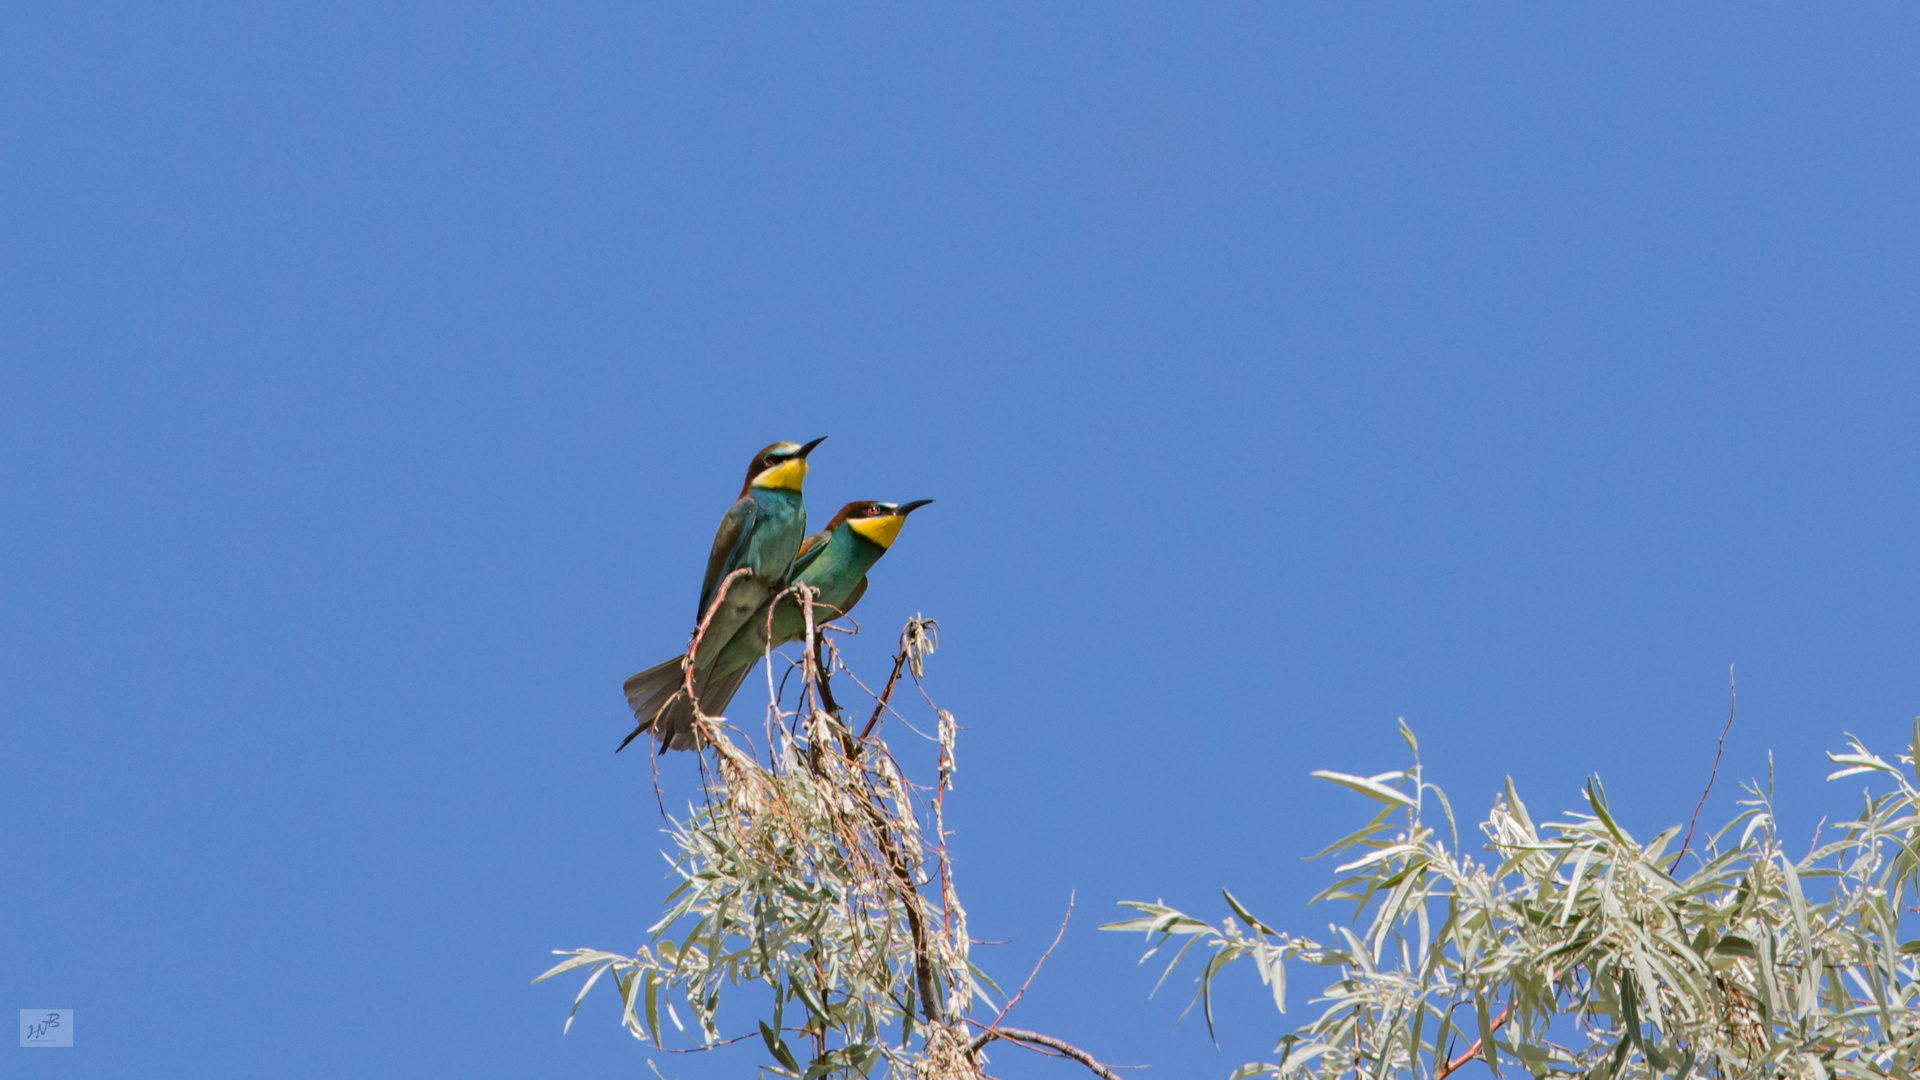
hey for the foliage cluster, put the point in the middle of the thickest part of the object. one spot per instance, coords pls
(1576, 950)
(821, 873)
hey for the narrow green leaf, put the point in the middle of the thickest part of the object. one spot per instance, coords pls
(777, 1046)
(580, 958)
(1597, 798)
(1486, 1035)
(581, 996)
(1735, 945)
(653, 1007)
(1247, 916)
(1370, 786)
(1798, 901)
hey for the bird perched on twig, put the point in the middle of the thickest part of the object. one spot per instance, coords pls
(835, 562)
(761, 532)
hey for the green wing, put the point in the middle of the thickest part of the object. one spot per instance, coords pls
(729, 546)
(853, 598)
(810, 549)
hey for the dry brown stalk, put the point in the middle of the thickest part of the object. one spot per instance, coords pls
(949, 1056)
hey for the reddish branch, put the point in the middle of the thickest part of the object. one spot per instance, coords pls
(924, 983)
(1015, 999)
(815, 671)
(886, 695)
(1733, 699)
(693, 649)
(1471, 1051)
(821, 662)
(1036, 1039)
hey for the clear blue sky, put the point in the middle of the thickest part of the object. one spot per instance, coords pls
(375, 376)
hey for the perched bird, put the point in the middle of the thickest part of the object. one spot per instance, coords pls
(762, 532)
(834, 561)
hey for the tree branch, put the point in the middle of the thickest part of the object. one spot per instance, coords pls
(1015, 999)
(886, 695)
(693, 648)
(821, 649)
(1471, 1051)
(686, 667)
(1733, 699)
(1064, 1048)
(923, 979)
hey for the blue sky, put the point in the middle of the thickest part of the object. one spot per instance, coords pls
(375, 375)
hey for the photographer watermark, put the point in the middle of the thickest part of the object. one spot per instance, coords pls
(46, 1027)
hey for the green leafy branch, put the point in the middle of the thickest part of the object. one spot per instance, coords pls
(1575, 933)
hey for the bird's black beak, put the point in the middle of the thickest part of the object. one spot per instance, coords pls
(908, 508)
(808, 449)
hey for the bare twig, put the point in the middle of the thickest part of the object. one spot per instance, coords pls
(822, 648)
(693, 648)
(1057, 935)
(686, 664)
(774, 694)
(1473, 1051)
(1064, 1048)
(1733, 699)
(715, 1045)
(899, 661)
(654, 761)
(813, 672)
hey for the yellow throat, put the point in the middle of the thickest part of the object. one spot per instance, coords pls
(880, 530)
(785, 476)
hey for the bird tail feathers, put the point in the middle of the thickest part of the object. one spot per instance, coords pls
(659, 700)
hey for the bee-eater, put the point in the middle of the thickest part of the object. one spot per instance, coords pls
(762, 532)
(834, 561)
